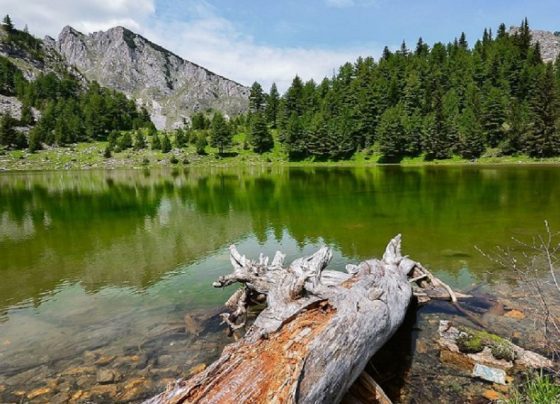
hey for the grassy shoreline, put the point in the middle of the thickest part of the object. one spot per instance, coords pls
(84, 156)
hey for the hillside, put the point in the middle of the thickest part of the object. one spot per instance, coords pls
(170, 87)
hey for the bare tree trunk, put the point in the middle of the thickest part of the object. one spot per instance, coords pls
(317, 332)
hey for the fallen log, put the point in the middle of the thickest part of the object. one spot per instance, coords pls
(318, 330)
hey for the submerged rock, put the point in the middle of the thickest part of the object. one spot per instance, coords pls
(106, 376)
(104, 360)
(38, 392)
(491, 395)
(489, 374)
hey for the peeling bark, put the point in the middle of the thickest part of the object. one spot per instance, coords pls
(318, 330)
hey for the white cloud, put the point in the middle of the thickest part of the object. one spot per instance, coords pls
(47, 17)
(206, 39)
(217, 44)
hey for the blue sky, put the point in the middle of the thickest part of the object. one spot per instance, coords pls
(342, 23)
(267, 41)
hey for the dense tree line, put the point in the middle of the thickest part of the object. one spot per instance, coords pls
(438, 102)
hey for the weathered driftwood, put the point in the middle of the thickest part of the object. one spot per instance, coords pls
(317, 332)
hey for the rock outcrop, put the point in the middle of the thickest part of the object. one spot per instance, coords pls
(171, 88)
(548, 41)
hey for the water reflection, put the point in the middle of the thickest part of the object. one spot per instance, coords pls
(129, 228)
(113, 261)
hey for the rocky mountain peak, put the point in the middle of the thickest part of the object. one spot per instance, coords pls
(171, 88)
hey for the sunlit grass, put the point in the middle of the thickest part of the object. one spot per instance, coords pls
(538, 389)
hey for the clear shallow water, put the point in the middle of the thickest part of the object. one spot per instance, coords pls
(108, 263)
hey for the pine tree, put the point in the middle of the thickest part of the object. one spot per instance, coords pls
(391, 134)
(181, 138)
(272, 106)
(543, 139)
(27, 118)
(294, 137)
(112, 139)
(220, 134)
(199, 121)
(139, 140)
(470, 135)
(156, 143)
(292, 102)
(125, 141)
(463, 41)
(165, 144)
(201, 144)
(260, 139)
(7, 24)
(493, 115)
(317, 136)
(516, 127)
(35, 139)
(256, 98)
(435, 141)
(7, 132)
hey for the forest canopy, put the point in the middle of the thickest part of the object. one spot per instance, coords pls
(434, 101)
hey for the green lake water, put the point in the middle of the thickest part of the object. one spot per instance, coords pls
(110, 262)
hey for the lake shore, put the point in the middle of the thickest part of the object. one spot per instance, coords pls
(83, 156)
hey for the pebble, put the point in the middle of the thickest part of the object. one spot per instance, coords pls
(134, 389)
(78, 371)
(106, 376)
(104, 360)
(491, 395)
(41, 391)
(515, 314)
(89, 356)
(110, 391)
(421, 347)
(80, 395)
(84, 381)
(165, 372)
(60, 398)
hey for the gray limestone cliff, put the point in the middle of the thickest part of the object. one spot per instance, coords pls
(548, 41)
(171, 88)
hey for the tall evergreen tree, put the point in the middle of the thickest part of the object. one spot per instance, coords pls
(156, 142)
(220, 134)
(139, 140)
(165, 144)
(181, 138)
(7, 24)
(435, 141)
(493, 115)
(543, 139)
(7, 132)
(391, 134)
(256, 98)
(27, 118)
(260, 139)
(272, 106)
(471, 137)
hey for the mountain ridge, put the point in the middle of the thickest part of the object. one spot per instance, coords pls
(170, 87)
